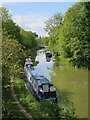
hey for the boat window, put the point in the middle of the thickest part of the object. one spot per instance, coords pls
(40, 89)
(46, 88)
(35, 86)
(52, 88)
(53, 94)
(46, 95)
(31, 79)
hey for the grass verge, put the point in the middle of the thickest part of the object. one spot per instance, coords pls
(9, 106)
(37, 109)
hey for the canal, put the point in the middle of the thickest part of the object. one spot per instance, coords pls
(71, 83)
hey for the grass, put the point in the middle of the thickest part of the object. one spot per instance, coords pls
(39, 109)
(10, 109)
(32, 106)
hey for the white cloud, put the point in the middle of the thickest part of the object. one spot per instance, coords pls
(32, 22)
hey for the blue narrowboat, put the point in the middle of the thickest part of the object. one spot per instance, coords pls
(48, 54)
(41, 47)
(42, 87)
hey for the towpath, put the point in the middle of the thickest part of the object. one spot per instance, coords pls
(27, 115)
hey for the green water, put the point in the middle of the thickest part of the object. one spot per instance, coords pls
(71, 83)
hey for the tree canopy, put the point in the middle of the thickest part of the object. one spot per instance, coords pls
(28, 38)
(12, 55)
(74, 35)
(17, 44)
(69, 36)
(53, 22)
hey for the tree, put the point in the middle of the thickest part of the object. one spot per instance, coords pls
(12, 29)
(17, 44)
(28, 38)
(74, 35)
(25, 38)
(5, 15)
(55, 21)
(43, 41)
(53, 26)
(12, 56)
(9, 26)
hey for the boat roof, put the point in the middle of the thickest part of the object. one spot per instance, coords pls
(48, 52)
(42, 80)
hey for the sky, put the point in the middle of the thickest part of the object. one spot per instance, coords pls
(32, 15)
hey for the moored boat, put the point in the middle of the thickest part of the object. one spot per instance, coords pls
(43, 88)
(48, 54)
(41, 47)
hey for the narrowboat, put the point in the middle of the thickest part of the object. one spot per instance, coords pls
(41, 47)
(48, 54)
(42, 87)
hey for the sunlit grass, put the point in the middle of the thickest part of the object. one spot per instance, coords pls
(38, 109)
(10, 108)
(27, 100)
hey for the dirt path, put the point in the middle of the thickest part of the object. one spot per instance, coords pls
(27, 115)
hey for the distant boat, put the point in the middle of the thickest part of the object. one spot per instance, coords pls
(48, 54)
(42, 87)
(41, 47)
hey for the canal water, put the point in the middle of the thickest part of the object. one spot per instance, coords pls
(71, 83)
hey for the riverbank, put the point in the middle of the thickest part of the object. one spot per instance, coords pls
(9, 107)
(36, 108)
(30, 103)
(22, 109)
(72, 85)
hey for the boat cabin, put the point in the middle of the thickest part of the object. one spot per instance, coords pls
(46, 90)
